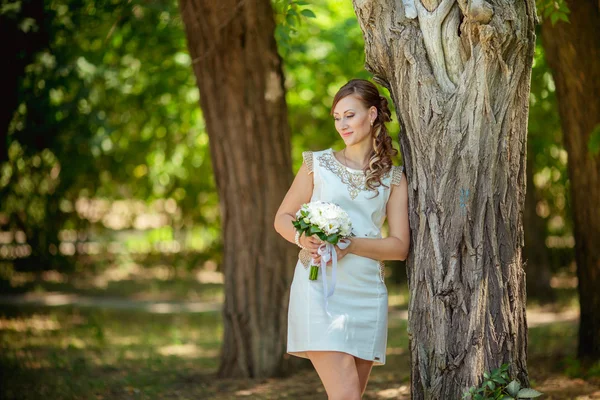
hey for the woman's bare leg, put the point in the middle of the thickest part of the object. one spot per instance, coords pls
(338, 373)
(363, 368)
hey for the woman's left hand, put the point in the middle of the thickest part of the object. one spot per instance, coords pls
(341, 253)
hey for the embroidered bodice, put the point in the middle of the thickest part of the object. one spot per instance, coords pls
(336, 183)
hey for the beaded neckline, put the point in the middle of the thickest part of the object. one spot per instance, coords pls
(354, 180)
(351, 170)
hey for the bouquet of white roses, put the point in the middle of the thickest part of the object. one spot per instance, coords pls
(330, 223)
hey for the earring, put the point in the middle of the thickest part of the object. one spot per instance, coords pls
(371, 122)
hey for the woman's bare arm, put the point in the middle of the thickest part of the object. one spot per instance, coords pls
(395, 246)
(299, 193)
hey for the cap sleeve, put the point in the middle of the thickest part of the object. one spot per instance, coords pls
(397, 174)
(307, 156)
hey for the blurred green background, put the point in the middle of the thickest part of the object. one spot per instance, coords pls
(109, 219)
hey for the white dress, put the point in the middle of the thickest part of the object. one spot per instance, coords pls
(355, 321)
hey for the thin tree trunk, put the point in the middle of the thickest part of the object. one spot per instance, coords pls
(535, 251)
(242, 96)
(21, 50)
(459, 75)
(573, 53)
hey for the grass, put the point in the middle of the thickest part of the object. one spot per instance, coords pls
(64, 353)
(89, 353)
(132, 281)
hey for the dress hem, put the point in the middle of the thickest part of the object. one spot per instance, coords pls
(302, 354)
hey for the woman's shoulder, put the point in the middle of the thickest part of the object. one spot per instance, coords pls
(309, 155)
(396, 174)
(315, 152)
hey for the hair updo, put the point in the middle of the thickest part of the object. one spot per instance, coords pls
(380, 157)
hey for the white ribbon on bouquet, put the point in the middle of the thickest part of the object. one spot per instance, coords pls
(327, 253)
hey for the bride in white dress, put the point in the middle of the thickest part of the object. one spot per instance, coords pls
(347, 334)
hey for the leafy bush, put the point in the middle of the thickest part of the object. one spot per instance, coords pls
(495, 386)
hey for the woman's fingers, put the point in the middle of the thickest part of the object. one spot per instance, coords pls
(313, 244)
(314, 241)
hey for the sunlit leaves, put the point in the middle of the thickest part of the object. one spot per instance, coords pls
(547, 155)
(289, 15)
(556, 10)
(111, 94)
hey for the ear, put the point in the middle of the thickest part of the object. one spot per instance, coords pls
(373, 113)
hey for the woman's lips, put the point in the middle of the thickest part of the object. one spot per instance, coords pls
(345, 134)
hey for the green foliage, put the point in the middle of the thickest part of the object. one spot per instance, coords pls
(556, 10)
(289, 14)
(574, 368)
(324, 54)
(594, 142)
(548, 160)
(109, 109)
(496, 386)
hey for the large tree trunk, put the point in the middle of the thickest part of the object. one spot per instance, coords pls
(459, 75)
(573, 53)
(242, 96)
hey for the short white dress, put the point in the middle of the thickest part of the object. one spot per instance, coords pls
(355, 320)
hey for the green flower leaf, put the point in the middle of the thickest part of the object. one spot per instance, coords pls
(315, 229)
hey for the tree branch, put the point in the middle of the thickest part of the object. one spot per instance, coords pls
(431, 26)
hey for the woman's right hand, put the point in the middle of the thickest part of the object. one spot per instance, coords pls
(311, 243)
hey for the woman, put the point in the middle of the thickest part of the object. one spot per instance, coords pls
(346, 337)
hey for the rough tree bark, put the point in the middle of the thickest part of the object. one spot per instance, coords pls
(459, 74)
(242, 96)
(573, 53)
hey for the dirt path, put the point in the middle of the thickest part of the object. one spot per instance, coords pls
(118, 303)
(534, 317)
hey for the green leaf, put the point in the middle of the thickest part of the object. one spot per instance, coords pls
(513, 388)
(308, 13)
(486, 375)
(315, 229)
(290, 20)
(301, 3)
(491, 385)
(528, 393)
(333, 239)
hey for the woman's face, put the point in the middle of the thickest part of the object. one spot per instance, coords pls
(353, 119)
